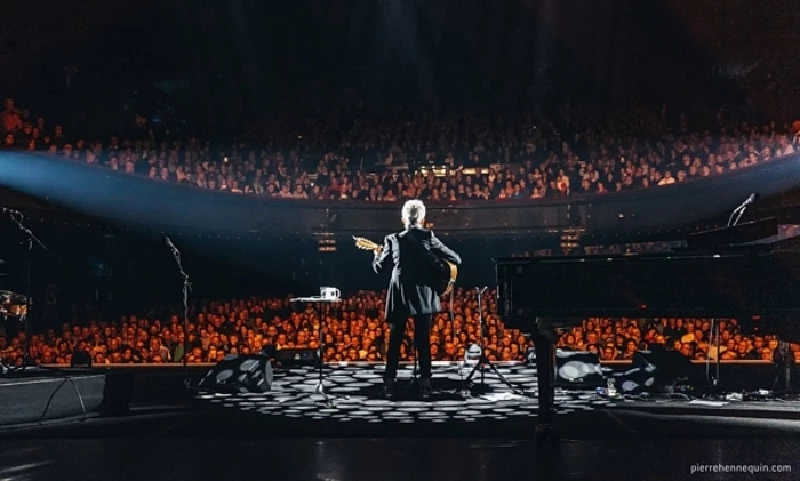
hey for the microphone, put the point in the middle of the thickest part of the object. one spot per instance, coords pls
(752, 199)
(749, 200)
(8, 210)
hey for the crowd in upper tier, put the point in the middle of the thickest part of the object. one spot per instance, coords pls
(448, 158)
(356, 331)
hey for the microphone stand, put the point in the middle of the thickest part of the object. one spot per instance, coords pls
(736, 215)
(741, 213)
(187, 286)
(31, 238)
(484, 361)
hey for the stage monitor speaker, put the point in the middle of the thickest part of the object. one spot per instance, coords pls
(297, 356)
(118, 392)
(638, 380)
(578, 369)
(239, 373)
(269, 351)
(81, 359)
(667, 366)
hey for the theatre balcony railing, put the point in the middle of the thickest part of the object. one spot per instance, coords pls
(124, 198)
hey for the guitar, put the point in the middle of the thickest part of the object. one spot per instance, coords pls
(445, 280)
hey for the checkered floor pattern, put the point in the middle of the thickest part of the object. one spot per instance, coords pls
(354, 396)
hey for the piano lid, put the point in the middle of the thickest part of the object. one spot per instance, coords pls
(754, 278)
(742, 233)
(786, 238)
(765, 234)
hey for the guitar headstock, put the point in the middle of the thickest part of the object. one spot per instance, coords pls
(365, 244)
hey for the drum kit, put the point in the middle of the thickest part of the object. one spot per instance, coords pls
(13, 305)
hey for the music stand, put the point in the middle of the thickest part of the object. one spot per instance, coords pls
(319, 301)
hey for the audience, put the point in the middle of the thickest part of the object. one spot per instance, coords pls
(491, 157)
(619, 339)
(356, 331)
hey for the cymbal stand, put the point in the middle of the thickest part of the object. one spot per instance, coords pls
(5, 367)
(17, 217)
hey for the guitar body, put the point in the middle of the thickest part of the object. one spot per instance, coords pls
(444, 279)
(448, 279)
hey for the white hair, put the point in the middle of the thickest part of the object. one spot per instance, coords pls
(413, 212)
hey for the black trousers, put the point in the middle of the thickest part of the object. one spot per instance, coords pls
(422, 341)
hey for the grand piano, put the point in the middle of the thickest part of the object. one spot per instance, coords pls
(750, 272)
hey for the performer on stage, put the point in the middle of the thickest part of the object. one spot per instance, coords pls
(413, 253)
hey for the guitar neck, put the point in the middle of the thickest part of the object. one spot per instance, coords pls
(366, 244)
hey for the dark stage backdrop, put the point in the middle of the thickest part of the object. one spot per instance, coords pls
(219, 64)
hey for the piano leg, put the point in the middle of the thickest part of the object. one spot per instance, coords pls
(546, 432)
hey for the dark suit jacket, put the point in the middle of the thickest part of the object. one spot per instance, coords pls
(410, 292)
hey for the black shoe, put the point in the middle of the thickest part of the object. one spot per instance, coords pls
(387, 392)
(425, 389)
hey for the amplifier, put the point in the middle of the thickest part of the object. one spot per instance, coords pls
(297, 356)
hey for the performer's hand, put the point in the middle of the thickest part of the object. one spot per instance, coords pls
(378, 251)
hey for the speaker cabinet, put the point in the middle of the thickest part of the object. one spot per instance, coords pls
(239, 373)
(81, 359)
(667, 367)
(578, 369)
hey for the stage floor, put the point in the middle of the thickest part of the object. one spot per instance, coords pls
(354, 396)
(288, 436)
(354, 406)
(203, 456)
